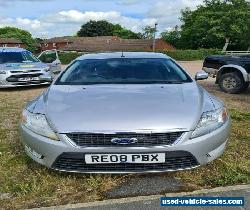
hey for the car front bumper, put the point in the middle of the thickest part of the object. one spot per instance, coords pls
(3, 86)
(186, 153)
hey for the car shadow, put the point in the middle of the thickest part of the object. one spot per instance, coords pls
(24, 88)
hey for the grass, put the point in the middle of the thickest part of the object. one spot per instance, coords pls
(31, 185)
(233, 167)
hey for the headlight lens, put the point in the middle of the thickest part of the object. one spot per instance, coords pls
(2, 72)
(38, 124)
(210, 121)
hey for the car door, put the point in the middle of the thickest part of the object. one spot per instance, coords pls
(245, 59)
(51, 58)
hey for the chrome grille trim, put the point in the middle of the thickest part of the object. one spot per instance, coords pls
(104, 140)
(14, 78)
(174, 161)
(24, 71)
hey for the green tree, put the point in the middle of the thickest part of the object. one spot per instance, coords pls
(22, 35)
(124, 33)
(104, 28)
(173, 37)
(215, 23)
(148, 32)
(96, 28)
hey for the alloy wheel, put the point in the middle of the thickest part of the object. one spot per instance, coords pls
(229, 83)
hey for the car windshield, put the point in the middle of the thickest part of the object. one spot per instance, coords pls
(123, 71)
(17, 57)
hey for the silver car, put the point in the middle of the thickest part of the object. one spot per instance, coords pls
(125, 113)
(19, 67)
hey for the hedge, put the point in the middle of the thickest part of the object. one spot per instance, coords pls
(182, 55)
(189, 55)
(67, 57)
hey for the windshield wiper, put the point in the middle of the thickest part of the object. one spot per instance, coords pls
(165, 82)
(121, 83)
(27, 61)
(174, 82)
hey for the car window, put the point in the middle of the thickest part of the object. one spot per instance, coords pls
(108, 71)
(245, 56)
(17, 57)
(48, 57)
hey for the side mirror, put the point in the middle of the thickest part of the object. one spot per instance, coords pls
(46, 78)
(56, 62)
(201, 75)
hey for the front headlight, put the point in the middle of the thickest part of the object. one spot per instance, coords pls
(3, 72)
(210, 121)
(38, 124)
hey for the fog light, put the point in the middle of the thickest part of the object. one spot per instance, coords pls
(33, 152)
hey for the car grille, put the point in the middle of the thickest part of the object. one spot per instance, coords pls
(24, 71)
(145, 139)
(14, 78)
(75, 162)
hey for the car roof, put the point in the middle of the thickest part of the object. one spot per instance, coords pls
(122, 55)
(12, 49)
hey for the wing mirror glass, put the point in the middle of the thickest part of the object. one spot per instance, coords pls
(201, 75)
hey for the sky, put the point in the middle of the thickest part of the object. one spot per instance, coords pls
(50, 18)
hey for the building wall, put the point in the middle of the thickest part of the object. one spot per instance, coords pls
(51, 46)
(12, 45)
(102, 44)
(162, 45)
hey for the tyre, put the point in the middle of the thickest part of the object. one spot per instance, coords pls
(232, 82)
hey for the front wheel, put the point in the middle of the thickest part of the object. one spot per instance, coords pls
(232, 82)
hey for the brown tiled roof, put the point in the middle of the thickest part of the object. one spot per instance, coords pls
(10, 41)
(77, 39)
(59, 39)
(111, 43)
(93, 45)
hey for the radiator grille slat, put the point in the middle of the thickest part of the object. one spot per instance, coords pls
(15, 78)
(175, 160)
(144, 139)
(26, 71)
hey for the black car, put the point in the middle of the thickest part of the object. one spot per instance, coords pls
(232, 72)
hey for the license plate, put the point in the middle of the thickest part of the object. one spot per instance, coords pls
(25, 79)
(124, 158)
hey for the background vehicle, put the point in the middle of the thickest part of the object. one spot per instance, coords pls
(19, 67)
(232, 72)
(51, 58)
